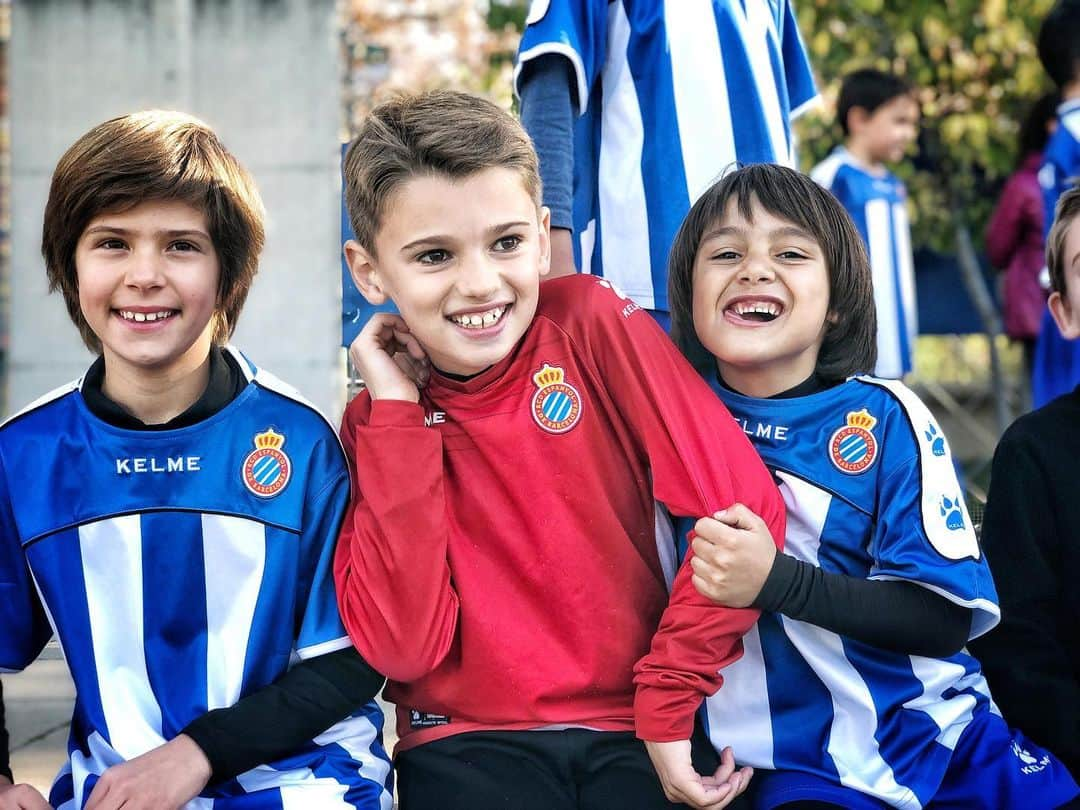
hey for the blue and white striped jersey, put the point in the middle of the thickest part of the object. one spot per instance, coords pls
(870, 490)
(878, 204)
(181, 570)
(670, 93)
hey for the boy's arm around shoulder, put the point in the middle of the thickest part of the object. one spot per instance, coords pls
(701, 463)
(390, 568)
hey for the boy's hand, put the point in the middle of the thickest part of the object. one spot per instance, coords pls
(733, 554)
(389, 359)
(164, 778)
(20, 797)
(683, 784)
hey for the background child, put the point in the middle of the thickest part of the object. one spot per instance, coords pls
(504, 560)
(854, 689)
(171, 515)
(1057, 361)
(1014, 234)
(1030, 531)
(879, 117)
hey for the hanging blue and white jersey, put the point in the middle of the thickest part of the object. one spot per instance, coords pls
(878, 205)
(870, 490)
(670, 93)
(180, 571)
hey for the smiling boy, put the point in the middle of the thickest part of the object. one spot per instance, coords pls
(506, 557)
(171, 515)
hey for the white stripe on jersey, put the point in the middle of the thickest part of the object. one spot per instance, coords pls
(905, 268)
(951, 716)
(879, 234)
(356, 735)
(300, 788)
(234, 554)
(807, 509)
(758, 31)
(624, 240)
(699, 85)
(855, 723)
(744, 713)
(112, 568)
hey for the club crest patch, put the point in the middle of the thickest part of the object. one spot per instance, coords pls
(267, 469)
(853, 447)
(556, 405)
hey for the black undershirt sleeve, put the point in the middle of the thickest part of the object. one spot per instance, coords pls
(892, 615)
(279, 718)
(5, 759)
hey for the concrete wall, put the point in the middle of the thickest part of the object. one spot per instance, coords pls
(265, 74)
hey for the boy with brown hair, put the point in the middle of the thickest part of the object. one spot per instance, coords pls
(1029, 534)
(501, 560)
(171, 515)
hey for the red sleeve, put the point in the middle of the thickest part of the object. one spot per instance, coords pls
(390, 567)
(701, 462)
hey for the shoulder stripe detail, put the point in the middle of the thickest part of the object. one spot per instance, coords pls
(824, 174)
(569, 53)
(945, 517)
(45, 399)
(248, 368)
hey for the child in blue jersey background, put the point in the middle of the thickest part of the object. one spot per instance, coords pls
(855, 689)
(1057, 360)
(879, 116)
(171, 515)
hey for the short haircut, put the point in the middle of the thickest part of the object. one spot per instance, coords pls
(868, 88)
(154, 155)
(850, 343)
(1059, 42)
(1068, 209)
(443, 133)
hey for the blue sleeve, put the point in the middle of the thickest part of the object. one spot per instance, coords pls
(923, 532)
(798, 74)
(576, 29)
(547, 113)
(1060, 171)
(24, 628)
(320, 626)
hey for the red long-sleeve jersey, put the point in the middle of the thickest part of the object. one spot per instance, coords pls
(501, 561)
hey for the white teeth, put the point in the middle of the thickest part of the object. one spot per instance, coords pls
(762, 307)
(479, 320)
(140, 317)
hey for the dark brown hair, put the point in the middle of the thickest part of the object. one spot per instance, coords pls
(1068, 208)
(154, 155)
(850, 345)
(441, 132)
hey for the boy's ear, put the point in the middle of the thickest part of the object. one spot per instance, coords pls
(365, 274)
(1064, 317)
(545, 240)
(856, 117)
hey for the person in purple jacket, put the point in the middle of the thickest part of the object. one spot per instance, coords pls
(1014, 235)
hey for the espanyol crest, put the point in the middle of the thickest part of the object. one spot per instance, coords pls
(556, 406)
(853, 447)
(267, 469)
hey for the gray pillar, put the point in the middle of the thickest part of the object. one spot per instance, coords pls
(265, 74)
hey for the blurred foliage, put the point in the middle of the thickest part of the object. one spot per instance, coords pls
(976, 70)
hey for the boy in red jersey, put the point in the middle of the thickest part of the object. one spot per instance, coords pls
(501, 561)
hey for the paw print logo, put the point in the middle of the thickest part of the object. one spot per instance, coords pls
(937, 441)
(950, 510)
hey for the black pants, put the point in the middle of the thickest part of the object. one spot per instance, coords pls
(574, 769)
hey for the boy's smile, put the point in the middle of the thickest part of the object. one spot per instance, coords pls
(148, 280)
(760, 300)
(462, 260)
